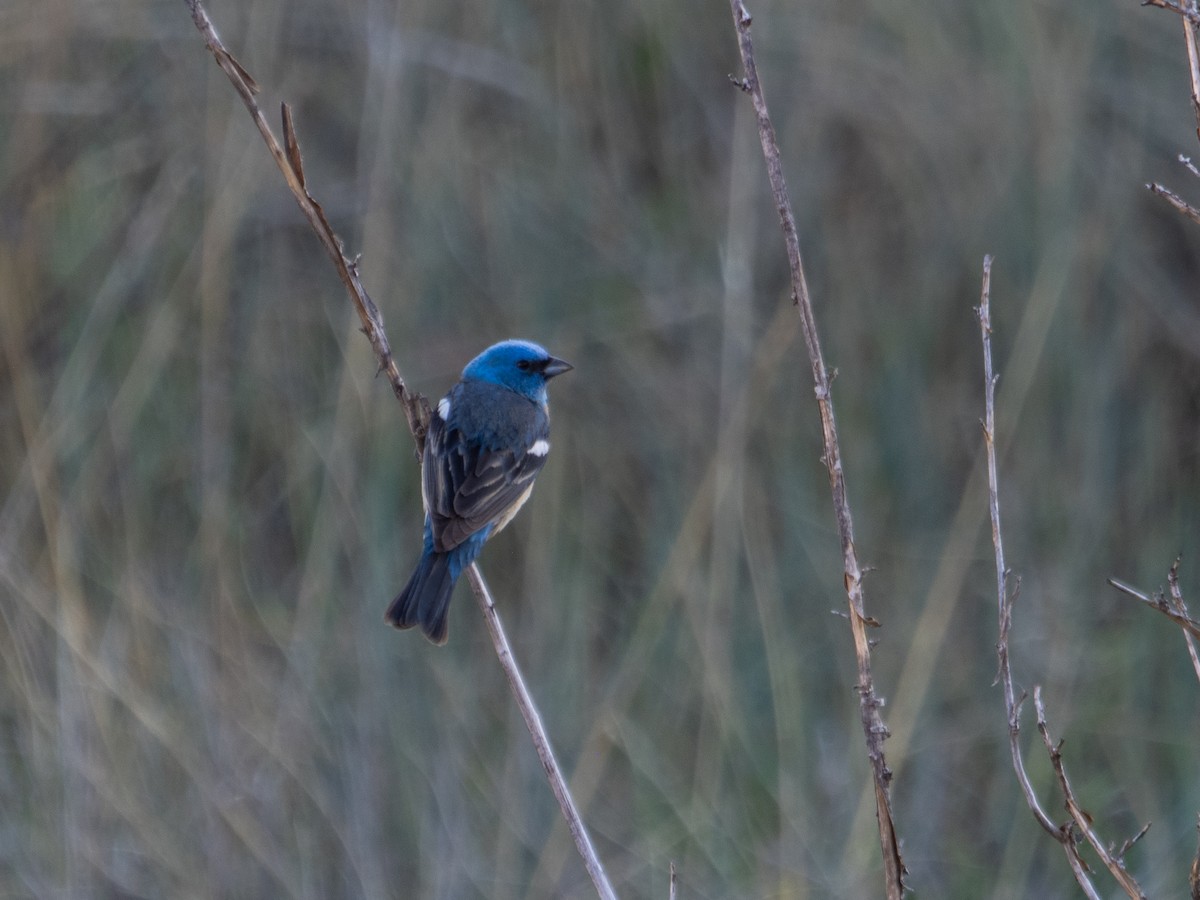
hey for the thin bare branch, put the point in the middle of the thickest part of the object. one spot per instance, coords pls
(290, 166)
(671, 892)
(1006, 598)
(1181, 205)
(290, 162)
(1127, 844)
(1194, 874)
(874, 729)
(1188, 13)
(541, 740)
(1081, 820)
(1190, 633)
(1159, 602)
(1191, 20)
(1172, 606)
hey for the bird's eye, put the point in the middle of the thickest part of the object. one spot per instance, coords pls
(524, 365)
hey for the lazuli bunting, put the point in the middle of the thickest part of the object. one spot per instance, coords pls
(487, 440)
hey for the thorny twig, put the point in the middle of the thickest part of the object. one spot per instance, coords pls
(1181, 205)
(416, 409)
(1190, 18)
(1194, 874)
(1189, 12)
(1080, 821)
(874, 729)
(1172, 606)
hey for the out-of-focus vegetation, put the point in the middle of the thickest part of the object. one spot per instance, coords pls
(207, 499)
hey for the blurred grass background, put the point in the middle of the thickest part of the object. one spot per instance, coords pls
(207, 499)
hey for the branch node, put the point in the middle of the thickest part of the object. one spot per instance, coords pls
(740, 83)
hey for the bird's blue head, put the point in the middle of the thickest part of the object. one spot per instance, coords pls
(520, 366)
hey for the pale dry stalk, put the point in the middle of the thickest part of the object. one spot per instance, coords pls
(874, 729)
(416, 409)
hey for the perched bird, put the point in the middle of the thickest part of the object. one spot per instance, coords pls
(487, 441)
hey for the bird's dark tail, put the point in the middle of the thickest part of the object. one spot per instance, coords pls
(425, 600)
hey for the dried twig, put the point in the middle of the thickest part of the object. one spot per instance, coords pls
(1188, 13)
(1194, 874)
(291, 165)
(1006, 598)
(1192, 631)
(1171, 606)
(874, 729)
(1128, 843)
(416, 409)
(541, 741)
(1190, 19)
(1081, 820)
(1181, 205)
(1064, 834)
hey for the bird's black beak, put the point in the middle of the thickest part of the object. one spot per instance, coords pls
(555, 366)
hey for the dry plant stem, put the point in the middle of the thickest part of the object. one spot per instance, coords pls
(1194, 874)
(541, 741)
(416, 409)
(874, 729)
(1181, 205)
(1190, 19)
(671, 892)
(1173, 608)
(291, 166)
(1065, 834)
(1190, 633)
(1005, 598)
(1190, 626)
(1080, 819)
(1188, 11)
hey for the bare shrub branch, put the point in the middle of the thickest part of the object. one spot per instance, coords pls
(1194, 874)
(291, 166)
(1172, 606)
(1190, 18)
(1080, 822)
(1183, 207)
(541, 740)
(416, 409)
(874, 729)
(1005, 598)
(1188, 13)
(1081, 819)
